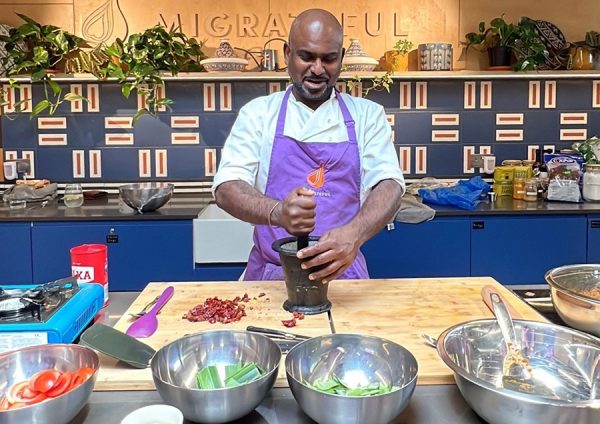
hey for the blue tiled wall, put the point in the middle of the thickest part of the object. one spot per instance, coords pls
(460, 106)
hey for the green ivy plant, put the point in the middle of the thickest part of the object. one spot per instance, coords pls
(499, 34)
(588, 148)
(377, 83)
(528, 48)
(38, 50)
(403, 46)
(138, 61)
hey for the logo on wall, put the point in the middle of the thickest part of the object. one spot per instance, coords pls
(99, 26)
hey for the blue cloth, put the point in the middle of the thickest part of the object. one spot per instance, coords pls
(465, 195)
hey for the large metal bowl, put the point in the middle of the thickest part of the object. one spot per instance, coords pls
(561, 357)
(174, 368)
(356, 360)
(146, 197)
(572, 288)
(22, 364)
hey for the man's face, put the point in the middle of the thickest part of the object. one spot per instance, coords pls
(314, 64)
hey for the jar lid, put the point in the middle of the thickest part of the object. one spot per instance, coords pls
(511, 162)
(592, 166)
(531, 180)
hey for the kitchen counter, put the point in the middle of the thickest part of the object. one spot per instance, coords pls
(438, 404)
(187, 206)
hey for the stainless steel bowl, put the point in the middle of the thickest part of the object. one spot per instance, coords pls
(146, 197)
(562, 357)
(571, 288)
(174, 369)
(22, 364)
(357, 360)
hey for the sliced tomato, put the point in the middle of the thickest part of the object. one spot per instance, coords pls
(4, 404)
(62, 386)
(81, 375)
(44, 380)
(15, 392)
(20, 393)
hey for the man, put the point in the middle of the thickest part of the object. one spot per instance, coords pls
(311, 160)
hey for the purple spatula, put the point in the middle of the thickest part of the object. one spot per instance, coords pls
(146, 325)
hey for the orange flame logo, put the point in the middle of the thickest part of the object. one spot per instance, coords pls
(316, 178)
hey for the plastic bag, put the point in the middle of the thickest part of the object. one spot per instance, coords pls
(564, 177)
(465, 195)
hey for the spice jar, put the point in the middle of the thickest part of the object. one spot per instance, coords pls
(519, 188)
(531, 190)
(591, 182)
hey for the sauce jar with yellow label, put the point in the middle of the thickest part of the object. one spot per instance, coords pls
(519, 188)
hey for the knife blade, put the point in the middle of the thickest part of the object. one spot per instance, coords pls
(331, 325)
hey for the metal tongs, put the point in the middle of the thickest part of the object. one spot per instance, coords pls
(276, 334)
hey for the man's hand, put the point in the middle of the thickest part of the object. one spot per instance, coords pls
(297, 212)
(335, 252)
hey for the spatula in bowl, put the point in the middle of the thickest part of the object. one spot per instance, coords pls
(146, 325)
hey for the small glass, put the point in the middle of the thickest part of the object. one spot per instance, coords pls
(73, 197)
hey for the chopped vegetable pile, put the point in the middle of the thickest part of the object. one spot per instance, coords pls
(334, 386)
(45, 384)
(216, 310)
(218, 377)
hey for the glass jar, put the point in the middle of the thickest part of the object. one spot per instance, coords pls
(73, 197)
(531, 190)
(511, 162)
(519, 188)
(591, 182)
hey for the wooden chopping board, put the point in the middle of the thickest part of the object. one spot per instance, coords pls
(396, 309)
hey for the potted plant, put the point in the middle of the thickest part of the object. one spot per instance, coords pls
(140, 62)
(530, 52)
(498, 39)
(39, 50)
(397, 58)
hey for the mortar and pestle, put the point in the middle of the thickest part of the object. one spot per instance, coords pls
(304, 295)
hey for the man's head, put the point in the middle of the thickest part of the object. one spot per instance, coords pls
(313, 55)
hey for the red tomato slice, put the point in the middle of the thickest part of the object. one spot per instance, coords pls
(15, 392)
(4, 404)
(62, 386)
(81, 375)
(44, 380)
(20, 394)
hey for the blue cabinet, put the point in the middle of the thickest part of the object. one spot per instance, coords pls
(593, 239)
(519, 250)
(437, 248)
(138, 252)
(15, 253)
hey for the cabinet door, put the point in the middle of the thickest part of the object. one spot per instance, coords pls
(519, 250)
(593, 241)
(437, 248)
(138, 252)
(15, 253)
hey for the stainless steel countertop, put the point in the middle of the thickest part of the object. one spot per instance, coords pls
(430, 404)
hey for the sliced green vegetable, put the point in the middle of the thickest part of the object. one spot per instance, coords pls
(334, 386)
(233, 375)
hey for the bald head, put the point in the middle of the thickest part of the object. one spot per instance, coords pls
(316, 23)
(313, 55)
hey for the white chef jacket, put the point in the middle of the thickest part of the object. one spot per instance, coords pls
(246, 154)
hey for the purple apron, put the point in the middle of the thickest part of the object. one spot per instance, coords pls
(331, 170)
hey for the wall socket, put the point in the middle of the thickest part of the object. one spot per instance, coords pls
(477, 160)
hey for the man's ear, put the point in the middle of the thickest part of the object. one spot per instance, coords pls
(286, 53)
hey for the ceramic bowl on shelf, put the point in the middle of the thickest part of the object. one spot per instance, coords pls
(359, 64)
(224, 64)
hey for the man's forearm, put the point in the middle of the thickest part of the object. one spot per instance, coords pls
(379, 208)
(245, 202)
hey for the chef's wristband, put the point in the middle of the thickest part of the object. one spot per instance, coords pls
(271, 213)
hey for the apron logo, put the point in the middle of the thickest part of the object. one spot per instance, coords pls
(316, 178)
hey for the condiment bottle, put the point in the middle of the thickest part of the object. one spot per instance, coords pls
(591, 182)
(531, 192)
(519, 188)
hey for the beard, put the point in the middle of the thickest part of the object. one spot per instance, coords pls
(310, 96)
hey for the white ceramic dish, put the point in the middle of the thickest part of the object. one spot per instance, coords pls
(154, 414)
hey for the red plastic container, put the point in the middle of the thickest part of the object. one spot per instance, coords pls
(89, 263)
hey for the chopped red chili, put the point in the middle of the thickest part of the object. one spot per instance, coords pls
(216, 310)
(289, 323)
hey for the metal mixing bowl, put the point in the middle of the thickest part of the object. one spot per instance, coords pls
(571, 288)
(174, 368)
(356, 360)
(146, 197)
(22, 364)
(561, 357)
